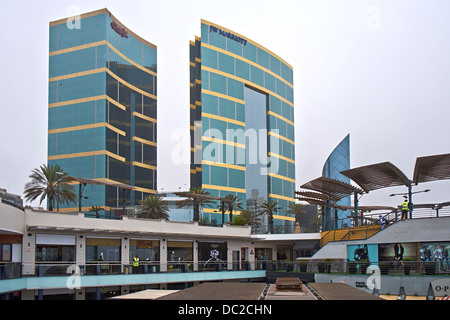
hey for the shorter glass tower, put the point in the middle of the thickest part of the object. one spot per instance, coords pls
(339, 160)
(102, 107)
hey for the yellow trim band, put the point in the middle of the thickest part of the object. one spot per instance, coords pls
(249, 83)
(230, 143)
(271, 154)
(88, 126)
(277, 216)
(274, 175)
(271, 113)
(143, 165)
(213, 187)
(277, 196)
(140, 115)
(220, 95)
(147, 142)
(86, 154)
(247, 61)
(271, 133)
(88, 99)
(213, 116)
(223, 165)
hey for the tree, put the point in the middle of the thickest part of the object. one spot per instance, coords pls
(233, 203)
(295, 209)
(269, 207)
(46, 182)
(96, 209)
(152, 207)
(196, 202)
(247, 217)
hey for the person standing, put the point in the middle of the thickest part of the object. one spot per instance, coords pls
(135, 264)
(405, 209)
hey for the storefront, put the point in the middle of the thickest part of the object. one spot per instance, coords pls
(179, 255)
(212, 255)
(103, 255)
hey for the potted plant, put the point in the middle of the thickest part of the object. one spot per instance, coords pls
(384, 267)
(303, 265)
(321, 266)
(327, 265)
(289, 266)
(407, 266)
(363, 263)
(430, 268)
(351, 267)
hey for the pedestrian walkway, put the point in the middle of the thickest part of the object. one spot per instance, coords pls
(341, 291)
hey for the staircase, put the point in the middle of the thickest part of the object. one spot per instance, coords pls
(353, 233)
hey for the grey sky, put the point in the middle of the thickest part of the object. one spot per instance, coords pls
(379, 70)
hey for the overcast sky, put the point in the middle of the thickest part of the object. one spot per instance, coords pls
(377, 70)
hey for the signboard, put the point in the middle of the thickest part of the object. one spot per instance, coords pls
(119, 30)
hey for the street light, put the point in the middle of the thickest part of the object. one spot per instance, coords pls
(406, 193)
(409, 194)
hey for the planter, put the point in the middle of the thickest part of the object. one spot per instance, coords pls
(303, 267)
(351, 267)
(384, 268)
(430, 268)
(321, 267)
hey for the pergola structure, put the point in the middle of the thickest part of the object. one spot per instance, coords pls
(196, 197)
(327, 192)
(374, 177)
(84, 181)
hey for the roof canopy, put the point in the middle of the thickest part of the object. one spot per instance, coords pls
(377, 176)
(432, 168)
(98, 182)
(334, 188)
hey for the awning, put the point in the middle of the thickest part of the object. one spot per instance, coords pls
(377, 176)
(432, 168)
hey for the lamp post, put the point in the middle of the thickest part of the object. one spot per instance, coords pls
(58, 175)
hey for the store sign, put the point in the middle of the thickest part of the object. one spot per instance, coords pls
(119, 30)
(229, 35)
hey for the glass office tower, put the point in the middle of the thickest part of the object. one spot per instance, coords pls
(102, 106)
(241, 120)
(339, 160)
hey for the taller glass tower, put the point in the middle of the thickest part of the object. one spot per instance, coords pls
(102, 106)
(242, 121)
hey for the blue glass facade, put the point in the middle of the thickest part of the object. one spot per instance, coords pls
(339, 160)
(102, 106)
(242, 119)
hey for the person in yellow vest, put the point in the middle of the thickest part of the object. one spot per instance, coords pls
(135, 264)
(405, 209)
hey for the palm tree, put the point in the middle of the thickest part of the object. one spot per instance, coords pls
(96, 209)
(197, 202)
(269, 207)
(233, 203)
(46, 182)
(152, 207)
(247, 217)
(295, 209)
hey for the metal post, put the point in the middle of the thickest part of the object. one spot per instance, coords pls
(355, 196)
(410, 199)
